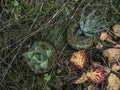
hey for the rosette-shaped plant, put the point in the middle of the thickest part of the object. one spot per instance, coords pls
(86, 32)
(96, 74)
(40, 57)
(78, 59)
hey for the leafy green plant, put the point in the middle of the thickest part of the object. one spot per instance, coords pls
(38, 57)
(86, 32)
(47, 77)
(89, 25)
(52, 80)
(14, 8)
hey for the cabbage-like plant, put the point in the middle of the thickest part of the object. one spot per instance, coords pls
(84, 33)
(39, 57)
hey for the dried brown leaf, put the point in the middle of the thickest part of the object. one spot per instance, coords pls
(113, 54)
(116, 29)
(82, 79)
(113, 82)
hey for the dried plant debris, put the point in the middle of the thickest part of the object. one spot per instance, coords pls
(116, 66)
(82, 79)
(91, 87)
(116, 29)
(117, 46)
(105, 36)
(113, 54)
(113, 82)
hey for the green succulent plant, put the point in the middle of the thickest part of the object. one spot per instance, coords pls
(39, 57)
(85, 33)
(90, 25)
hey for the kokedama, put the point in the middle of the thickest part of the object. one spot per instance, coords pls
(41, 57)
(85, 33)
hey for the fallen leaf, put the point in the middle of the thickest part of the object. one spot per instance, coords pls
(96, 64)
(78, 59)
(107, 37)
(96, 74)
(116, 29)
(82, 79)
(113, 82)
(117, 46)
(113, 54)
(91, 87)
(116, 66)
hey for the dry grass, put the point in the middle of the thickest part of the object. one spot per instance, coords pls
(25, 22)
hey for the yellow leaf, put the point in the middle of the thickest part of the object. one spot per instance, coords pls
(78, 59)
(113, 54)
(91, 87)
(80, 80)
(96, 74)
(113, 82)
(116, 66)
(116, 29)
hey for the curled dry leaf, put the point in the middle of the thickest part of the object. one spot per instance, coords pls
(96, 74)
(82, 79)
(91, 87)
(117, 46)
(116, 66)
(113, 54)
(78, 59)
(113, 82)
(107, 37)
(104, 36)
(116, 29)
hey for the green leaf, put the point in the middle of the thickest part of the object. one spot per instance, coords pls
(16, 3)
(36, 68)
(90, 25)
(39, 49)
(36, 44)
(47, 88)
(36, 60)
(59, 71)
(16, 16)
(47, 77)
(44, 64)
(49, 53)
(29, 54)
